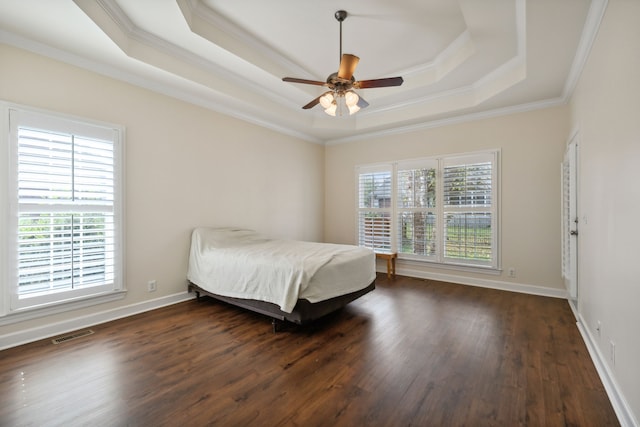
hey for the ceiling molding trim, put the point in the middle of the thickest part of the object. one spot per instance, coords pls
(219, 30)
(116, 14)
(461, 49)
(218, 104)
(491, 84)
(521, 27)
(497, 81)
(132, 40)
(41, 49)
(502, 78)
(498, 112)
(587, 38)
(207, 23)
(416, 108)
(227, 108)
(458, 51)
(144, 46)
(512, 71)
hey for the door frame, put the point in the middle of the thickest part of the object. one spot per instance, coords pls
(570, 218)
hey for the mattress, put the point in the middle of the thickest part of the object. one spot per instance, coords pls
(240, 263)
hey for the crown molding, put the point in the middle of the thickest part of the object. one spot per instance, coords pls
(482, 115)
(210, 25)
(216, 103)
(589, 33)
(144, 46)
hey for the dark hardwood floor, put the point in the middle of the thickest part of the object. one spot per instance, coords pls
(412, 352)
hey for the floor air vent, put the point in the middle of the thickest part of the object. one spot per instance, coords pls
(72, 336)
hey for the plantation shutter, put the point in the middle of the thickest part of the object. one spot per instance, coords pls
(440, 210)
(374, 207)
(416, 208)
(66, 234)
(468, 209)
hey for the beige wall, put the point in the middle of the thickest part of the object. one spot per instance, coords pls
(185, 166)
(606, 114)
(532, 146)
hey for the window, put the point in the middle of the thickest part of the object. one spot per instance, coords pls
(468, 209)
(64, 220)
(416, 208)
(442, 210)
(374, 207)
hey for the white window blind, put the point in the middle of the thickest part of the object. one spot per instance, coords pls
(416, 208)
(374, 207)
(67, 216)
(468, 193)
(441, 210)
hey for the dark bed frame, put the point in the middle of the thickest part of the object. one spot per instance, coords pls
(303, 312)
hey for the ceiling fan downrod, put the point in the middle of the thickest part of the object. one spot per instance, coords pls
(340, 15)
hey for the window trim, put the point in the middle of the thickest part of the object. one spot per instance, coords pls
(440, 260)
(69, 300)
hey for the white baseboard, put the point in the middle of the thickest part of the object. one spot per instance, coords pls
(483, 283)
(619, 403)
(54, 329)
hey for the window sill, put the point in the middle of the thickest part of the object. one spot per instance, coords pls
(36, 312)
(480, 269)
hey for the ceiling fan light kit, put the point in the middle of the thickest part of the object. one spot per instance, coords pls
(335, 104)
(341, 97)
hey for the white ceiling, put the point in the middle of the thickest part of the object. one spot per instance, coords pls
(460, 59)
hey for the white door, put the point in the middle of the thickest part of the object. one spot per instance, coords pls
(570, 219)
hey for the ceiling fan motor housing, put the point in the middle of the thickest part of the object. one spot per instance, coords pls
(340, 85)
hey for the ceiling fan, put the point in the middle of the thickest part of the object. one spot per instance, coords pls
(342, 83)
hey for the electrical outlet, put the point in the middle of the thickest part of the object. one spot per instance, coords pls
(512, 272)
(612, 352)
(599, 328)
(151, 286)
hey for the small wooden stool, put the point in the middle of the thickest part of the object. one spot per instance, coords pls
(391, 262)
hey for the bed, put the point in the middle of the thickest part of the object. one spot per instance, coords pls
(287, 280)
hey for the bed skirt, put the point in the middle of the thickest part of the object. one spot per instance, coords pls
(303, 312)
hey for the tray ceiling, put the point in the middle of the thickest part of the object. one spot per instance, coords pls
(459, 59)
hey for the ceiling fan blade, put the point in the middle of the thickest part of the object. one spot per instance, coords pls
(348, 65)
(389, 81)
(313, 103)
(362, 103)
(308, 82)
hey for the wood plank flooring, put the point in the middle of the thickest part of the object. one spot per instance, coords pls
(411, 353)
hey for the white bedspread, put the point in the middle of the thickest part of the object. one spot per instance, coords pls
(244, 264)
